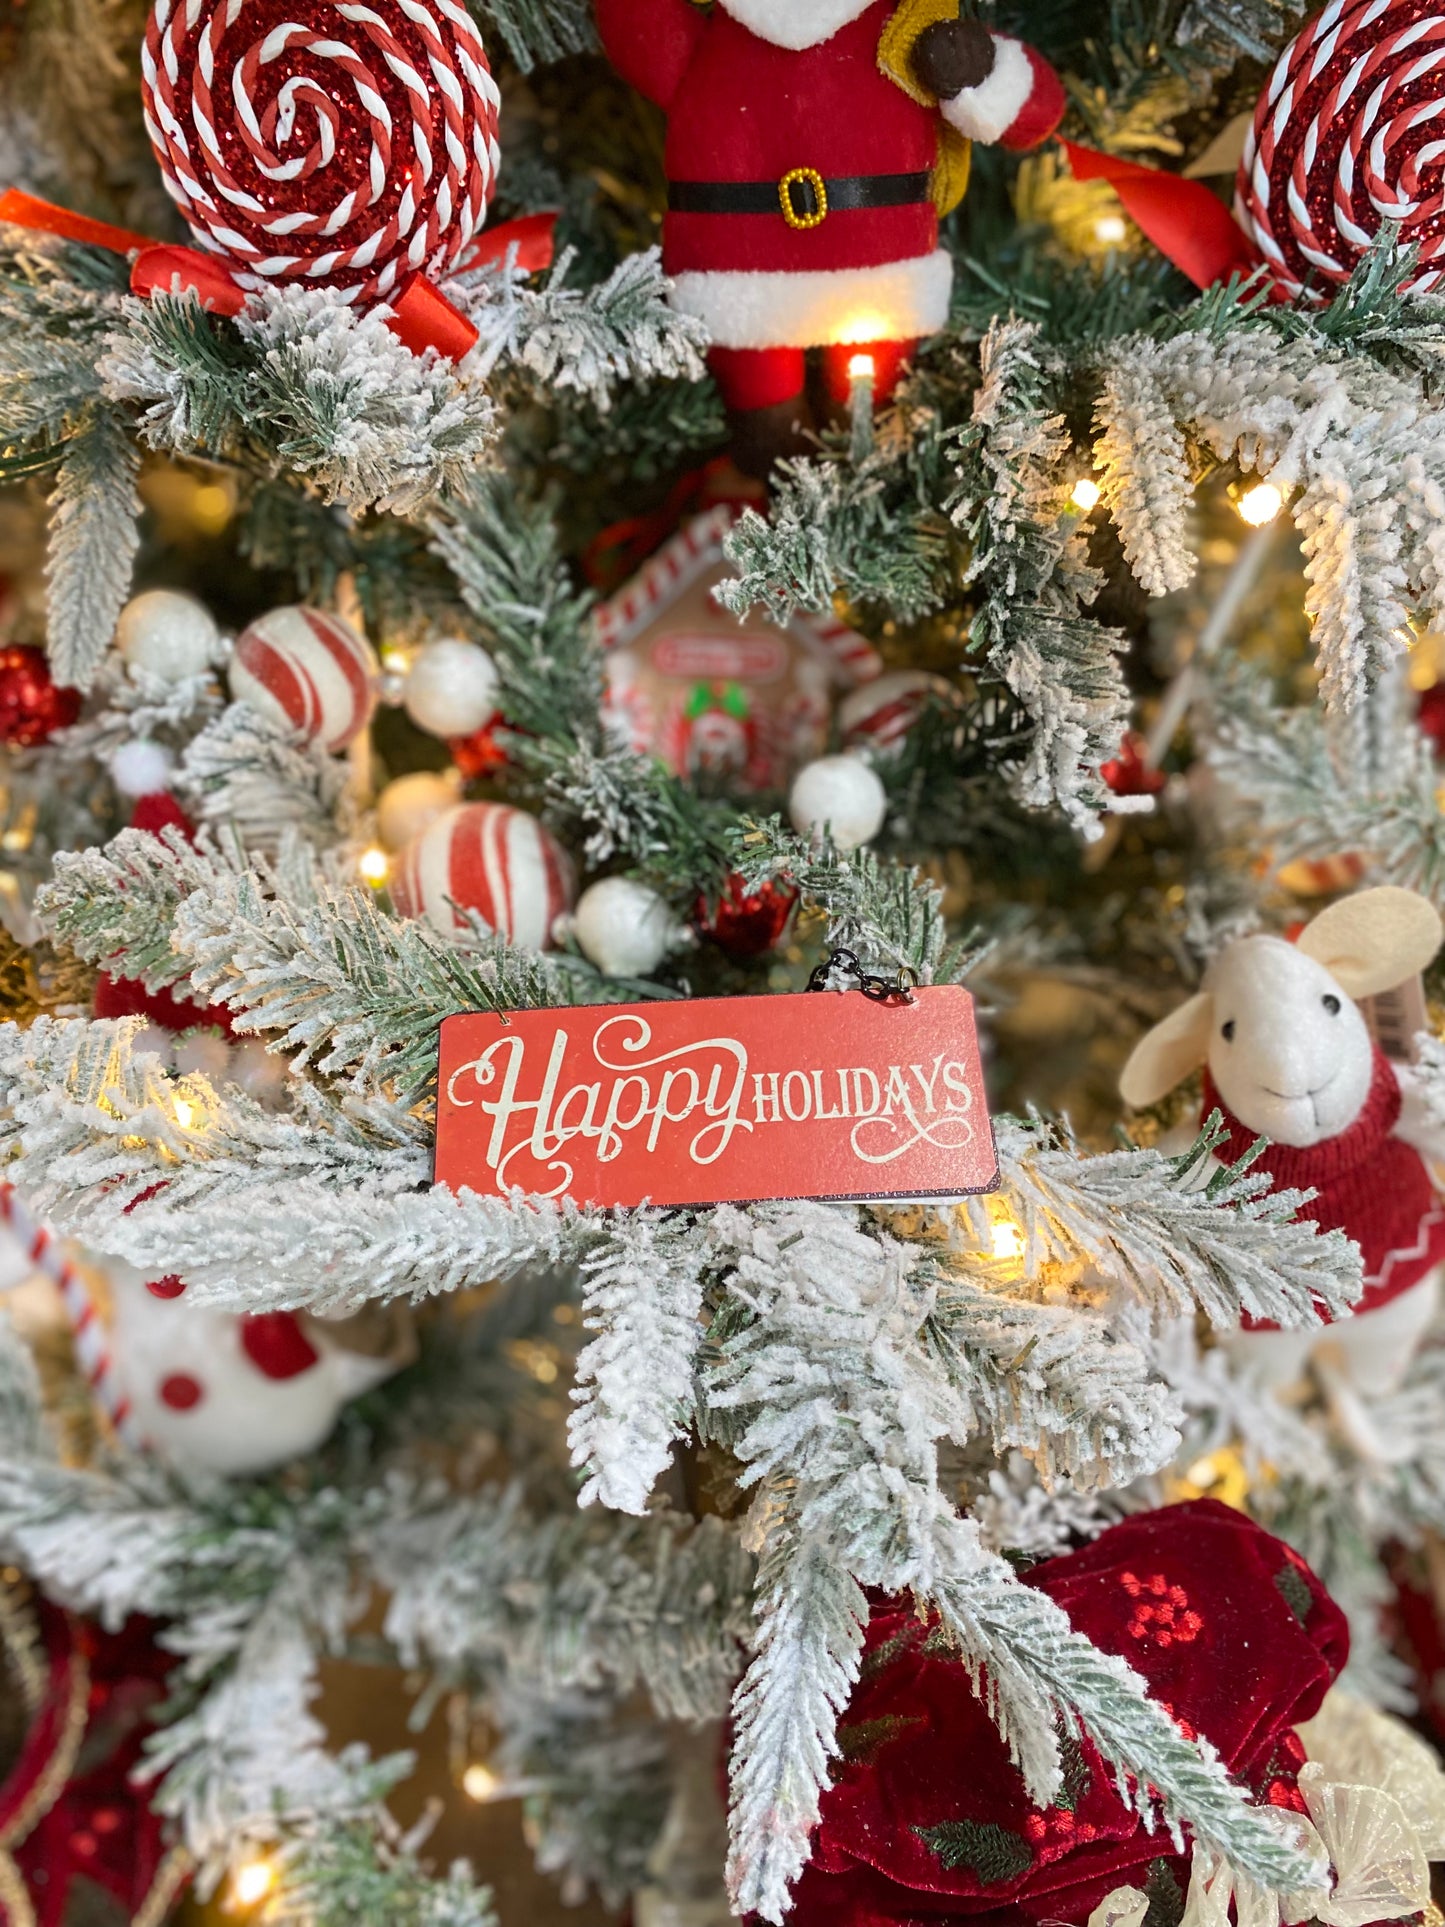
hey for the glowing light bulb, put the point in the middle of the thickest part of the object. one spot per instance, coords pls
(251, 1883)
(185, 1112)
(479, 1783)
(862, 368)
(1110, 230)
(1007, 1238)
(373, 865)
(1260, 505)
(1085, 494)
(212, 507)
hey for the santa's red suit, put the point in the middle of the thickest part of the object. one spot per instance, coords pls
(801, 211)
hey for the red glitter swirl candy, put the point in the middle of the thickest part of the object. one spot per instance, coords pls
(1349, 134)
(329, 143)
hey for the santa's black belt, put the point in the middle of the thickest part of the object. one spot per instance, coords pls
(803, 196)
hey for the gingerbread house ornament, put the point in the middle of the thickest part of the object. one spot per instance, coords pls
(744, 703)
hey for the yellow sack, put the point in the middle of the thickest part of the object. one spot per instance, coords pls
(895, 48)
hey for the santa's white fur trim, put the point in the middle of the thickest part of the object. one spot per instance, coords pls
(794, 23)
(985, 112)
(820, 308)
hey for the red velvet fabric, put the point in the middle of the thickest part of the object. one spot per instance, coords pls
(928, 1820)
(93, 1828)
(749, 111)
(1371, 1185)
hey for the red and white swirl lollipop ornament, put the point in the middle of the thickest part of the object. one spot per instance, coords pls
(1347, 136)
(325, 143)
(308, 670)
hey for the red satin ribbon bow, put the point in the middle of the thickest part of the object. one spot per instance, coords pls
(420, 318)
(1188, 224)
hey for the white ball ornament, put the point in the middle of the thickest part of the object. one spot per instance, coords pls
(490, 858)
(412, 804)
(842, 793)
(451, 688)
(141, 768)
(309, 671)
(167, 634)
(260, 1073)
(205, 1051)
(623, 927)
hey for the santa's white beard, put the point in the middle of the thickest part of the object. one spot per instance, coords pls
(794, 23)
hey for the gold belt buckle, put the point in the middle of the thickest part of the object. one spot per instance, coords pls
(810, 178)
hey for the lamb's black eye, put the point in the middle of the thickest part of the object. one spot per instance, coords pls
(1226, 1031)
(1331, 1003)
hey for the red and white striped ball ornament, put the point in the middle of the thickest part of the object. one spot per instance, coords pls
(490, 858)
(1347, 136)
(309, 669)
(349, 144)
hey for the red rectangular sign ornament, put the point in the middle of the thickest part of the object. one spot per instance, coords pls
(719, 1099)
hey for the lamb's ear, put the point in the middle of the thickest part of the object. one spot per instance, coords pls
(1169, 1053)
(1374, 940)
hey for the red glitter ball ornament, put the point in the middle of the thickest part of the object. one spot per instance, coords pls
(743, 923)
(32, 706)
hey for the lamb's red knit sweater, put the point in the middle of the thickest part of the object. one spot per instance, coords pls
(1369, 1184)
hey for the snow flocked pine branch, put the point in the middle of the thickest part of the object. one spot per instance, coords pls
(1031, 567)
(1282, 767)
(255, 1582)
(1144, 1222)
(836, 1405)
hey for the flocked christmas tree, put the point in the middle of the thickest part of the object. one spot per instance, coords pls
(529, 509)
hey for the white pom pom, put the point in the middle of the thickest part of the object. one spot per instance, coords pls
(141, 768)
(623, 927)
(451, 688)
(409, 805)
(205, 1051)
(168, 634)
(259, 1072)
(155, 1042)
(844, 794)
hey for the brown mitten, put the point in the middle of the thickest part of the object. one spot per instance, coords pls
(950, 55)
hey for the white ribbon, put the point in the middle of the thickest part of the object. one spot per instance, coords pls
(1375, 1795)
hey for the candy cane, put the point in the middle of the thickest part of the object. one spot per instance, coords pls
(87, 1330)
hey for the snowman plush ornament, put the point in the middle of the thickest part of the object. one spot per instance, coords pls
(1288, 1057)
(811, 147)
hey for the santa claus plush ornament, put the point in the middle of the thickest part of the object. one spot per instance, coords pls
(811, 147)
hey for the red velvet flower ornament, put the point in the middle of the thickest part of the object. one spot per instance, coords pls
(78, 1839)
(928, 1819)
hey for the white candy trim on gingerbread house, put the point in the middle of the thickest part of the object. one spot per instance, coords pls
(681, 560)
(663, 577)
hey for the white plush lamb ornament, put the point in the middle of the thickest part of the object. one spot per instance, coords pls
(1288, 1057)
